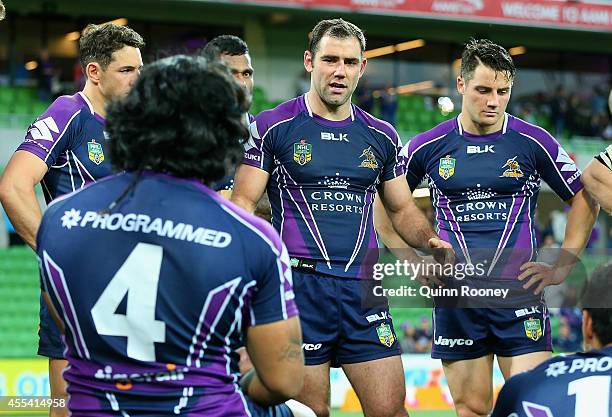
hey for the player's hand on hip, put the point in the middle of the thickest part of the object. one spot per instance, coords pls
(542, 274)
(442, 251)
(245, 364)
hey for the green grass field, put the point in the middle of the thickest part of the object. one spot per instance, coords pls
(338, 413)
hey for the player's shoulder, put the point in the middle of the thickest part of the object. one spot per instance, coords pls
(431, 136)
(377, 125)
(256, 228)
(529, 130)
(284, 112)
(66, 107)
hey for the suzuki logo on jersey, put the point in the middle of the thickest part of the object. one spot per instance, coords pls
(568, 163)
(442, 341)
(526, 311)
(574, 177)
(41, 130)
(479, 149)
(341, 137)
(383, 315)
(311, 346)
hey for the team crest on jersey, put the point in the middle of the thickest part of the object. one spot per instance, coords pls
(514, 169)
(385, 335)
(533, 329)
(95, 152)
(446, 168)
(370, 159)
(302, 152)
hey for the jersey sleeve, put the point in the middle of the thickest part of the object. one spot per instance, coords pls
(273, 299)
(53, 132)
(394, 163)
(605, 157)
(415, 170)
(258, 150)
(556, 167)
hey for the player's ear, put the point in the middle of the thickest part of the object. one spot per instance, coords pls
(460, 85)
(364, 63)
(93, 72)
(308, 58)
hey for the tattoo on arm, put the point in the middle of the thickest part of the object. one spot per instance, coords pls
(292, 352)
(246, 380)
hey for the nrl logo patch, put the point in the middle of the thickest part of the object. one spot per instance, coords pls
(385, 335)
(446, 168)
(514, 169)
(533, 329)
(302, 152)
(370, 159)
(95, 152)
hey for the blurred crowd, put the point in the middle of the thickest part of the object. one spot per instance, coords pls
(569, 114)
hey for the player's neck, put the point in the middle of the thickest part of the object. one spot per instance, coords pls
(95, 97)
(474, 128)
(322, 109)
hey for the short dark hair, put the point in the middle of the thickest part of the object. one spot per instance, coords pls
(224, 44)
(483, 51)
(336, 28)
(98, 42)
(597, 300)
(184, 117)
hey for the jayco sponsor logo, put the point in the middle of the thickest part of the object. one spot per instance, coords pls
(311, 346)
(442, 341)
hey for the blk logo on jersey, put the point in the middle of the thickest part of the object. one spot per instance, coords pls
(341, 137)
(533, 329)
(446, 168)
(385, 335)
(370, 159)
(302, 152)
(95, 152)
(478, 149)
(513, 169)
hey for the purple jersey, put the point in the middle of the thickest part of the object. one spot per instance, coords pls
(156, 297)
(484, 188)
(323, 178)
(565, 386)
(69, 138)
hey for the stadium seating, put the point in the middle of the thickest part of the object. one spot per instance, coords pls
(19, 292)
(19, 106)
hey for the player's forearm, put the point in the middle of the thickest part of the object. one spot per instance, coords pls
(22, 208)
(412, 226)
(389, 236)
(241, 201)
(580, 221)
(598, 182)
(258, 392)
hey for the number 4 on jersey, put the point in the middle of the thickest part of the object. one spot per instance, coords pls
(138, 278)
